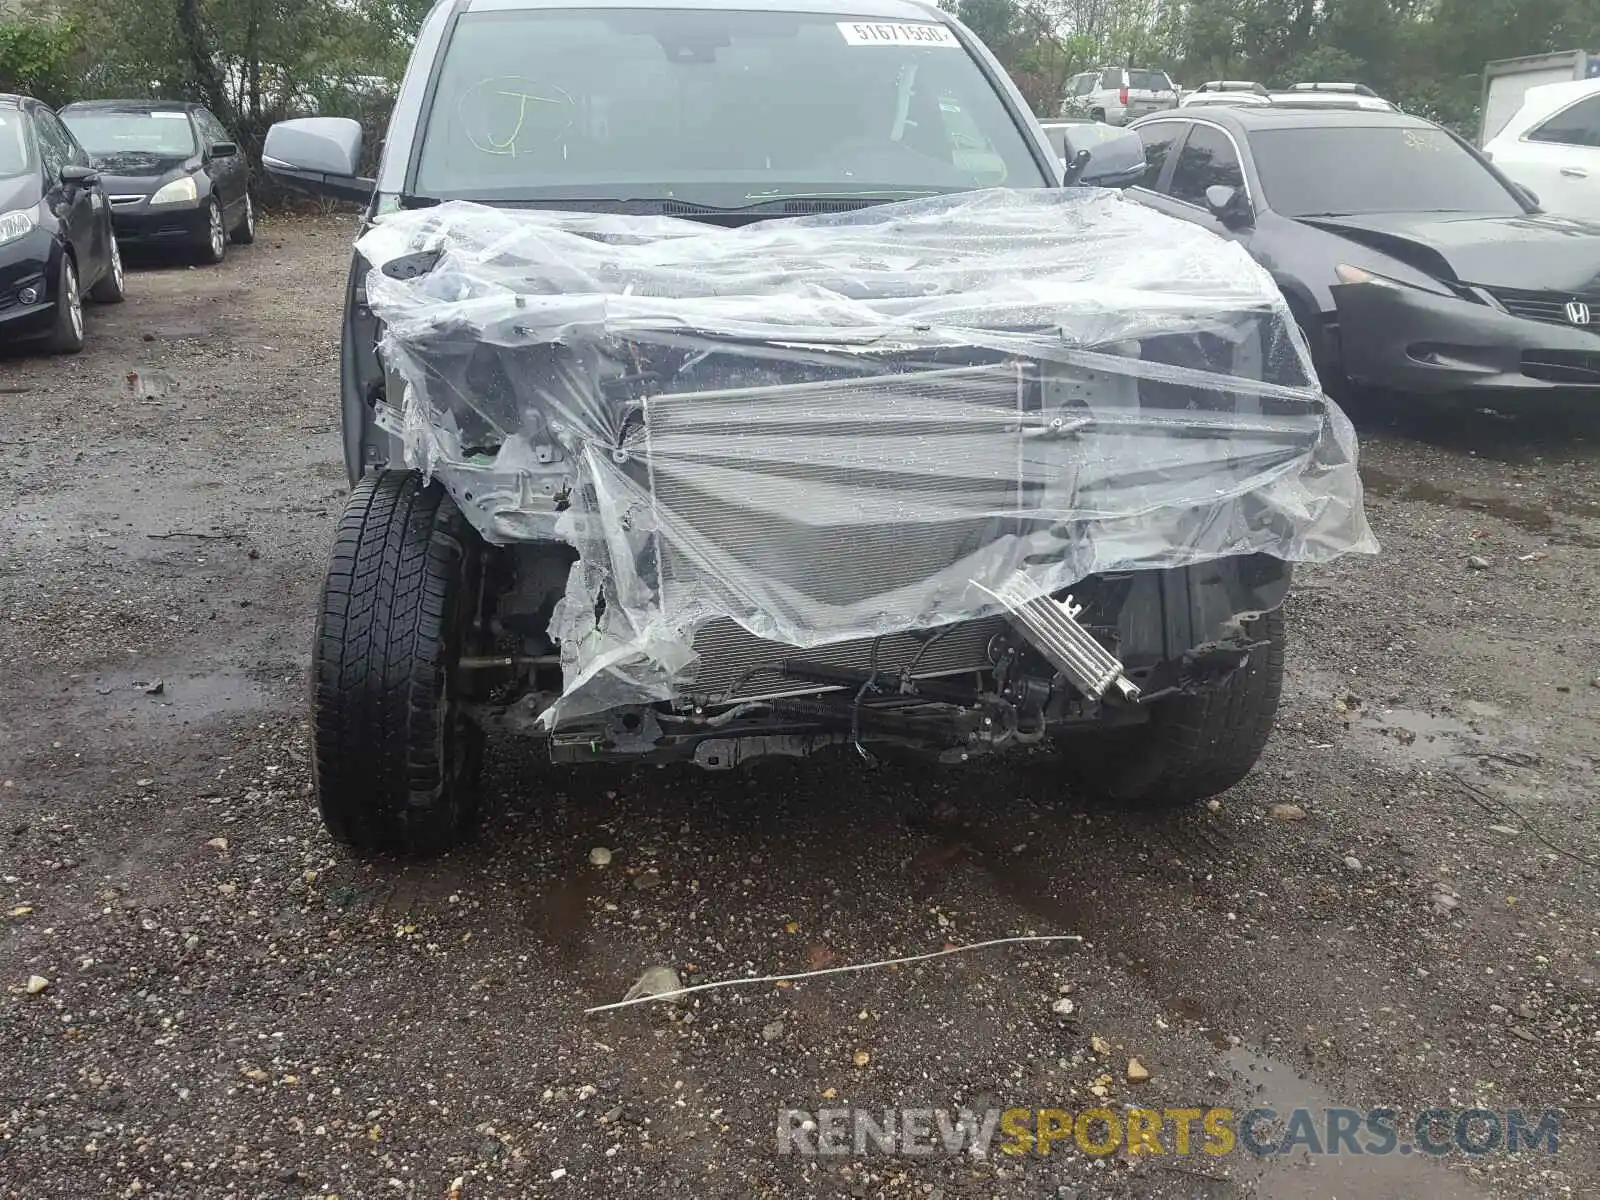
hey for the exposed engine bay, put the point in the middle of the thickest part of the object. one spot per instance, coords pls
(957, 473)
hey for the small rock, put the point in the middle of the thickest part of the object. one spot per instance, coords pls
(1099, 1045)
(611, 1116)
(1213, 805)
(1595, 682)
(772, 1032)
(1137, 1071)
(1524, 1011)
(1287, 812)
(155, 687)
(218, 843)
(588, 1091)
(559, 1173)
(657, 981)
(646, 880)
(1063, 1007)
(1445, 903)
(1477, 562)
(1505, 830)
(1352, 862)
(600, 856)
(1524, 1033)
(255, 1074)
(861, 1058)
(36, 984)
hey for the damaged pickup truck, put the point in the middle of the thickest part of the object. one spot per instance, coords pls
(722, 383)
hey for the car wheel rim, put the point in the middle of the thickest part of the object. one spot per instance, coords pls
(217, 236)
(249, 215)
(74, 302)
(116, 264)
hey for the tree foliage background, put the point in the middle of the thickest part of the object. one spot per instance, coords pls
(253, 61)
(1427, 55)
(249, 61)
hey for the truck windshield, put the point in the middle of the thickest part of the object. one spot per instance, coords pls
(716, 107)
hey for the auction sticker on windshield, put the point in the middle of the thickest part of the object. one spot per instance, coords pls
(879, 33)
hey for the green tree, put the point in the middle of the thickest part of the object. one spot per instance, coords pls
(40, 56)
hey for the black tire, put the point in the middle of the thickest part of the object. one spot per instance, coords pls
(66, 336)
(111, 287)
(396, 762)
(1193, 746)
(211, 242)
(244, 233)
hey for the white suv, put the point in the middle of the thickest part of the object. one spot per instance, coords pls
(1117, 95)
(1552, 147)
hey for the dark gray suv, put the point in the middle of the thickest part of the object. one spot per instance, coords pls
(723, 382)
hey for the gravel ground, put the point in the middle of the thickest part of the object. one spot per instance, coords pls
(1398, 908)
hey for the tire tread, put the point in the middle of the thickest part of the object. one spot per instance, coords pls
(383, 642)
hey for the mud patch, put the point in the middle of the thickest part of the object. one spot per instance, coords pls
(1530, 517)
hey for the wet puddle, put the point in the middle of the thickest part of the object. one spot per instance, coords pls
(1298, 1174)
(150, 698)
(1416, 736)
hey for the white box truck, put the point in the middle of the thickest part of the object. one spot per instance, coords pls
(1506, 80)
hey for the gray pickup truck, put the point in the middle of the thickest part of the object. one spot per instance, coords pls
(722, 381)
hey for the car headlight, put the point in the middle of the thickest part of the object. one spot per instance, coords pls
(16, 223)
(176, 192)
(1348, 274)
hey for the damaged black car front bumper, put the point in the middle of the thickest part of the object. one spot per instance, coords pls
(1413, 340)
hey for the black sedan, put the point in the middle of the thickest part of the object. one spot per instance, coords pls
(56, 241)
(175, 176)
(1408, 260)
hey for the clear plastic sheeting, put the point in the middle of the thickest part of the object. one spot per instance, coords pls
(832, 427)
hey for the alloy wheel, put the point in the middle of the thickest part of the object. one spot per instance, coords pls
(74, 300)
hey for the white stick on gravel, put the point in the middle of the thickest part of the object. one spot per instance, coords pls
(888, 962)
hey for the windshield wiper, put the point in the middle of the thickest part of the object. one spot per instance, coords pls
(757, 202)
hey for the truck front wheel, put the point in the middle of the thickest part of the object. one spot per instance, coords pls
(1193, 747)
(397, 761)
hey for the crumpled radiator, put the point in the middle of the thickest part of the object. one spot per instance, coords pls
(837, 502)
